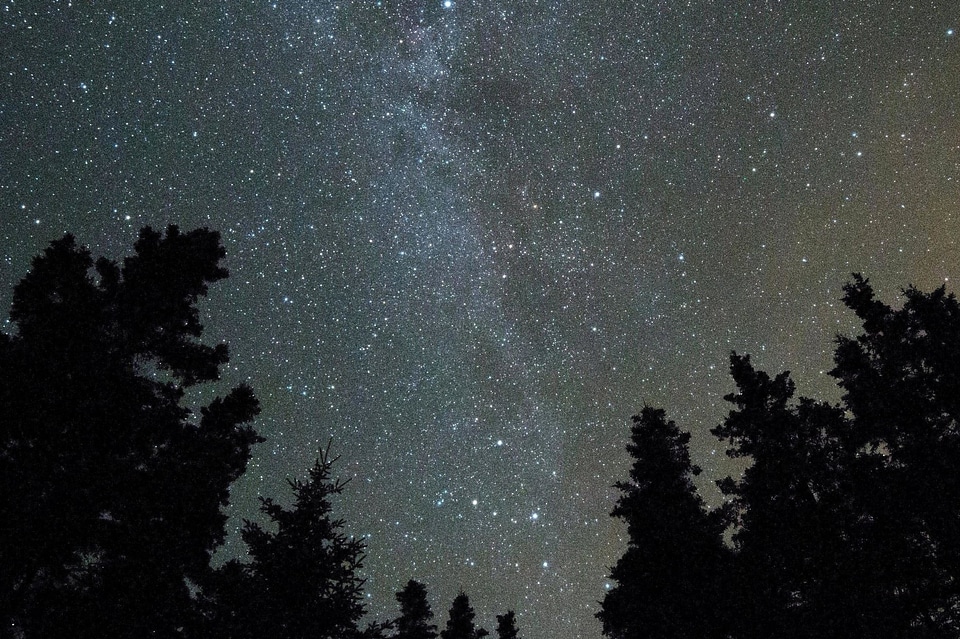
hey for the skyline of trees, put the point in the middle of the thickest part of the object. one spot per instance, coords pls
(116, 489)
(842, 524)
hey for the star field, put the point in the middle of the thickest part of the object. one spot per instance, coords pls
(467, 240)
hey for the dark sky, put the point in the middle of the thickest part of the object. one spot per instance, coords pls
(468, 240)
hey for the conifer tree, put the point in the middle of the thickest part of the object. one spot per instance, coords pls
(415, 617)
(507, 626)
(901, 383)
(303, 581)
(792, 516)
(668, 578)
(460, 623)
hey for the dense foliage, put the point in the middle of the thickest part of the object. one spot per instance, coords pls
(845, 522)
(113, 489)
(460, 621)
(668, 576)
(507, 626)
(416, 616)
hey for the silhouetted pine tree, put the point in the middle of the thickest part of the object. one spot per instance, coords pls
(507, 626)
(303, 581)
(901, 379)
(793, 512)
(415, 617)
(112, 492)
(460, 623)
(668, 580)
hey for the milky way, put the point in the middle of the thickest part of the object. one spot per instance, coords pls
(467, 240)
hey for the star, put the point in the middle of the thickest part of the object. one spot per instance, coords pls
(421, 268)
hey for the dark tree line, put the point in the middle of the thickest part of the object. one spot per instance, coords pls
(113, 488)
(846, 523)
(415, 620)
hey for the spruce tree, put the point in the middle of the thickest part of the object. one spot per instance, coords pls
(303, 580)
(460, 622)
(668, 580)
(792, 511)
(507, 626)
(415, 617)
(901, 383)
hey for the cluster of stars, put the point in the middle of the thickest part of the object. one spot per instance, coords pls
(468, 242)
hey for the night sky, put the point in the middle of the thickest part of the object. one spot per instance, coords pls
(468, 240)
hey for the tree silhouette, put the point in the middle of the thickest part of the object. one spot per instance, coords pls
(668, 579)
(901, 379)
(113, 491)
(415, 617)
(846, 511)
(844, 523)
(507, 626)
(303, 580)
(460, 623)
(792, 511)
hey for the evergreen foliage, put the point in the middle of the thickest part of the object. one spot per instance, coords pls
(845, 522)
(303, 579)
(416, 615)
(667, 581)
(507, 626)
(460, 622)
(113, 492)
